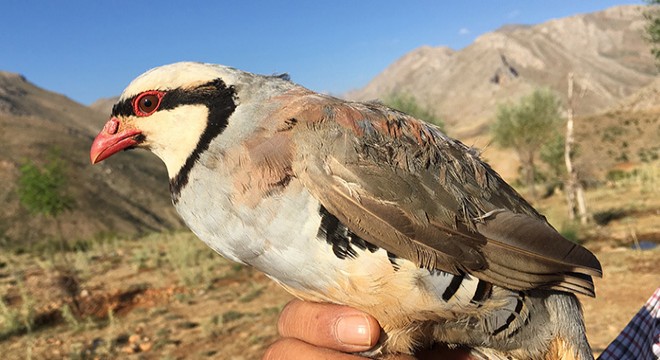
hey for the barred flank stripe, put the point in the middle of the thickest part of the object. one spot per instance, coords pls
(453, 287)
(482, 292)
(344, 242)
(512, 317)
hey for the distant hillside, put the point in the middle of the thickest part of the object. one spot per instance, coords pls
(605, 50)
(646, 99)
(623, 137)
(126, 195)
(104, 106)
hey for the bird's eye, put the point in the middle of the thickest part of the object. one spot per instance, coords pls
(147, 103)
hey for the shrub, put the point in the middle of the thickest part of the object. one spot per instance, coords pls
(42, 190)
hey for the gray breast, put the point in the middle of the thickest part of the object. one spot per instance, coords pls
(292, 238)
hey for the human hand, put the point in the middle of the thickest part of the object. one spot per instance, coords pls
(326, 331)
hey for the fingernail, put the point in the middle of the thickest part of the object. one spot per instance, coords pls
(353, 330)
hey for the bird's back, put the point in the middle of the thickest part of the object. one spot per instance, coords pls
(263, 200)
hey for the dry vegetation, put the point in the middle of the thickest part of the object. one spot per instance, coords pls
(157, 297)
(167, 296)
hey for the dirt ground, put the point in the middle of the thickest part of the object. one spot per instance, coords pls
(128, 304)
(630, 277)
(167, 296)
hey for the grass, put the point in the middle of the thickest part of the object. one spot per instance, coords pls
(231, 315)
(70, 319)
(191, 260)
(228, 299)
(633, 195)
(11, 321)
(210, 327)
(182, 252)
(18, 319)
(172, 259)
(161, 257)
(647, 175)
(255, 293)
(571, 231)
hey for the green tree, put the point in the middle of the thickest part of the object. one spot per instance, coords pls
(552, 154)
(43, 190)
(525, 127)
(408, 104)
(653, 27)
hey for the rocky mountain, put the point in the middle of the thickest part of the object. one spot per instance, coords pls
(623, 138)
(606, 50)
(646, 99)
(104, 105)
(126, 195)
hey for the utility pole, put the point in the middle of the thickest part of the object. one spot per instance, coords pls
(574, 190)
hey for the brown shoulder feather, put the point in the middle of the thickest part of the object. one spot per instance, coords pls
(403, 185)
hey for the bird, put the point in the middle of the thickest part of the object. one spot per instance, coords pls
(358, 204)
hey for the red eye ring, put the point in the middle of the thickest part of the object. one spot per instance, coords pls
(147, 102)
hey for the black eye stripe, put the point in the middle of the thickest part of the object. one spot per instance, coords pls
(123, 108)
(126, 108)
(203, 94)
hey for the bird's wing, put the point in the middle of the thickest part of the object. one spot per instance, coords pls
(404, 186)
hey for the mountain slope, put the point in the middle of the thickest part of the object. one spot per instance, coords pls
(623, 138)
(605, 50)
(104, 105)
(126, 195)
(646, 99)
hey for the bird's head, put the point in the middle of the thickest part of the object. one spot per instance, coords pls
(171, 110)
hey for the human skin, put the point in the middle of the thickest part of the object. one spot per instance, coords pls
(325, 331)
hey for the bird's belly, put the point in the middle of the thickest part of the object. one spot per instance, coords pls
(296, 242)
(277, 235)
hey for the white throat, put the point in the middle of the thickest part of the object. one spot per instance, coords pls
(173, 134)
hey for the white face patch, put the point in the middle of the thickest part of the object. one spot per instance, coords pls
(173, 134)
(182, 74)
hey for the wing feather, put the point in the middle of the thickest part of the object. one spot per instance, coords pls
(406, 187)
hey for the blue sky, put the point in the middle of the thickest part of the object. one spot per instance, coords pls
(92, 49)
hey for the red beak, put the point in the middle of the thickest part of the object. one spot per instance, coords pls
(110, 141)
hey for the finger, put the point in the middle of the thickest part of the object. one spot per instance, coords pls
(294, 349)
(329, 326)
